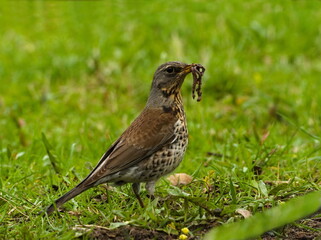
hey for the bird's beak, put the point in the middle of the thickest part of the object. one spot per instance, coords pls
(187, 69)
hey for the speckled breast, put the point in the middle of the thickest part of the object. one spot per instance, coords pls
(167, 158)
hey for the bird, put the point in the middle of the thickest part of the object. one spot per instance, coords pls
(152, 146)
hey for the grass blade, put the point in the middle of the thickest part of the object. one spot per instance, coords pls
(52, 158)
(276, 217)
(232, 192)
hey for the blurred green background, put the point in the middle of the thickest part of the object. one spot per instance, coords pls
(78, 69)
(80, 72)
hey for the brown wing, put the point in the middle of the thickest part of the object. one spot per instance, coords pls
(151, 130)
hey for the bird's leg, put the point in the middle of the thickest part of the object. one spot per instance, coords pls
(136, 189)
(150, 187)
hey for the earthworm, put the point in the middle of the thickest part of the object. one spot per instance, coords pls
(197, 71)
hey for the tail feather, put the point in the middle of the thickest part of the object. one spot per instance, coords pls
(90, 181)
(94, 178)
(66, 197)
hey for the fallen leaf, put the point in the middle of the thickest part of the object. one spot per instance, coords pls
(278, 182)
(74, 213)
(245, 213)
(180, 179)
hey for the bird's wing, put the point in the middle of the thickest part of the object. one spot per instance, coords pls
(151, 130)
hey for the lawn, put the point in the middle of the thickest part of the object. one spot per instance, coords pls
(74, 75)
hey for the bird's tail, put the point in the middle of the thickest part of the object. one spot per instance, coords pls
(93, 179)
(66, 197)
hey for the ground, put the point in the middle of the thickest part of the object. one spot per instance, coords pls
(306, 231)
(75, 74)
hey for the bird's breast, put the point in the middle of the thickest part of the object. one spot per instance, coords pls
(168, 157)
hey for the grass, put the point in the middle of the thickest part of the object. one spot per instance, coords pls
(270, 219)
(77, 73)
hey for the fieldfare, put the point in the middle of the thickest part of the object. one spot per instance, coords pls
(155, 142)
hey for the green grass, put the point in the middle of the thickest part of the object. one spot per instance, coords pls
(276, 217)
(79, 72)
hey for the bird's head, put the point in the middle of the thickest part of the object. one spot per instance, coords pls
(169, 78)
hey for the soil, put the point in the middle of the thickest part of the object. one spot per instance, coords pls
(307, 229)
(129, 232)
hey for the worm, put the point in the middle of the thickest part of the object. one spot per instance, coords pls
(197, 71)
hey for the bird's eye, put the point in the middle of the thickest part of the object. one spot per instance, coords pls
(170, 70)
